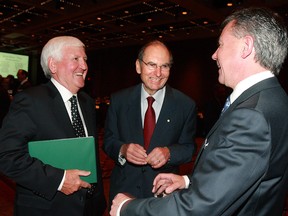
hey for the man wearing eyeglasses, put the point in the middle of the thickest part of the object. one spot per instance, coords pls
(172, 141)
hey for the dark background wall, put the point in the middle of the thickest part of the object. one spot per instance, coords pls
(193, 71)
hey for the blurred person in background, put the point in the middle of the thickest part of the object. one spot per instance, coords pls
(23, 81)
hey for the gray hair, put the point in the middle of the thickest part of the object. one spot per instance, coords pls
(268, 31)
(53, 49)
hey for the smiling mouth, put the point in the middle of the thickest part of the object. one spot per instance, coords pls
(155, 79)
(79, 74)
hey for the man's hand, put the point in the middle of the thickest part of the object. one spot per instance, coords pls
(117, 201)
(158, 157)
(134, 153)
(72, 181)
(167, 183)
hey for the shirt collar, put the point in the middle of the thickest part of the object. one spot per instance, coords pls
(23, 81)
(64, 92)
(248, 82)
(158, 96)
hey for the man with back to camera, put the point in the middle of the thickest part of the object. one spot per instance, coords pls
(44, 113)
(242, 167)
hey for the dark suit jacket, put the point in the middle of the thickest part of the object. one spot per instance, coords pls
(40, 114)
(242, 168)
(175, 129)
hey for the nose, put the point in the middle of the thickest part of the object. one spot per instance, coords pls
(83, 64)
(214, 56)
(158, 71)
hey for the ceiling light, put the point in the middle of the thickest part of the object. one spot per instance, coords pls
(184, 12)
(229, 4)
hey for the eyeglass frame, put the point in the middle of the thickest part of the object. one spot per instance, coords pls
(153, 66)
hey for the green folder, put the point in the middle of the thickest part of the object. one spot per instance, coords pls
(71, 153)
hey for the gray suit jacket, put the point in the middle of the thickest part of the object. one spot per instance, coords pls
(175, 129)
(242, 167)
(39, 113)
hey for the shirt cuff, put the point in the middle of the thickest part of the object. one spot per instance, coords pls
(187, 181)
(120, 206)
(62, 182)
(121, 159)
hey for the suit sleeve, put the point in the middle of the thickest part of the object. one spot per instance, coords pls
(182, 151)
(18, 128)
(228, 171)
(112, 142)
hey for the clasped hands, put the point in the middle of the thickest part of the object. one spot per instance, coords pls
(164, 183)
(136, 154)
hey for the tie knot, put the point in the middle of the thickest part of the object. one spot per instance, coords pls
(73, 100)
(226, 105)
(227, 102)
(150, 100)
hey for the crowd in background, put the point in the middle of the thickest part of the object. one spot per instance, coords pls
(9, 86)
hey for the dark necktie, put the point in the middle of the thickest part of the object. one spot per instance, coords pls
(149, 122)
(76, 120)
(226, 105)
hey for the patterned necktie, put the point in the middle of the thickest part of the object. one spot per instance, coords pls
(76, 120)
(226, 105)
(149, 122)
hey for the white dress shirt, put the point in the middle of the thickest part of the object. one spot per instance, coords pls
(66, 95)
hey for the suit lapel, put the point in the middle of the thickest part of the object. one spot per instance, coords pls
(86, 112)
(267, 83)
(59, 111)
(167, 110)
(164, 119)
(134, 119)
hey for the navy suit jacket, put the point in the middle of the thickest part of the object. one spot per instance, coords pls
(242, 167)
(39, 113)
(175, 128)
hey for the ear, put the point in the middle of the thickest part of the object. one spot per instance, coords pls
(138, 67)
(52, 65)
(248, 46)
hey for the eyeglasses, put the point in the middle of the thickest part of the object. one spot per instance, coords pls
(152, 66)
